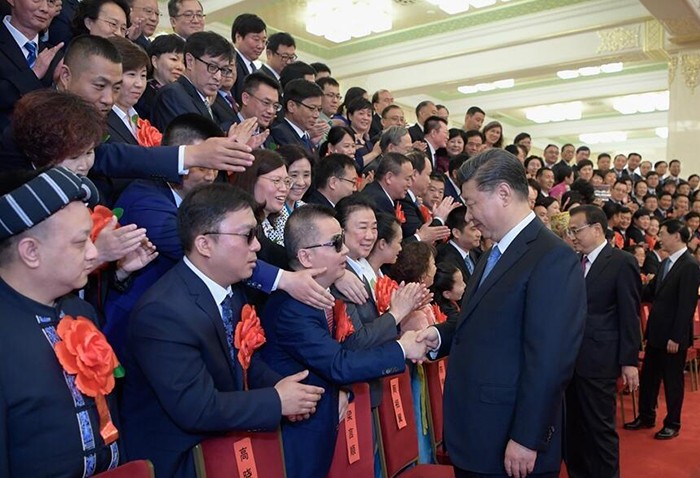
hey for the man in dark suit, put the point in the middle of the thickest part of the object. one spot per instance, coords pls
(26, 63)
(424, 110)
(435, 134)
(673, 294)
(224, 108)
(260, 100)
(380, 100)
(186, 17)
(392, 181)
(280, 52)
(185, 325)
(144, 19)
(249, 36)
(334, 178)
(513, 350)
(452, 188)
(302, 107)
(118, 131)
(461, 249)
(610, 347)
(654, 259)
(300, 338)
(207, 59)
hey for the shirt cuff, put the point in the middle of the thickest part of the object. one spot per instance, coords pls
(181, 161)
(277, 279)
(441, 220)
(434, 353)
(402, 350)
(417, 237)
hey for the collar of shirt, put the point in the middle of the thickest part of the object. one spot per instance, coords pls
(432, 150)
(246, 60)
(277, 76)
(658, 257)
(362, 268)
(513, 233)
(126, 116)
(19, 37)
(176, 196)
(674, 257)
(218, 293)
(204, 98)
(413, 197)
(593, 255)
(300, 132)
(387, 194)
(461, 251)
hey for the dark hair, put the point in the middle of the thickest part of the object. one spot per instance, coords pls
(205, 207)
(321, 67)
(91, 9)
(75, 126)
(162, 44)
(280, 38)
(245, 24)
(474, 110)
(418, 160)
(390, 163)
(358, 104)
(208, 43)
(692, 215)
(659, 163)
(456, 162)
(188, 128)
(433, 124)
(611, 209)
(530, 159)
(301, 229)
(641, 212)
(439, 177)
(674, 161)
(493, 125)
(664, 193)
(674, 226)
(83, 47)
(493, 167)
(474, 132)
(291, 153)
(335, 135)
(295, 71)
(583, 163)
(264, 162)
(568, 144)
(352, 93)
(585, 189)
(333, 165)
(350, 204)
(375, 96)
(546, 201)
(562, 172)
(521, 136)
(386, 228)
(387, 109)
(456, 219)
(253, 81)
(413, 262)
(512, 149)
(569, 198)
(634, 154)
(583, 148)
(542, 170)
(454, 132)
(298, 90)
(444, 279)
(327, 80)
(604, 155)
(594, 215)
(174, 6)
(442, 107)
(133, 56)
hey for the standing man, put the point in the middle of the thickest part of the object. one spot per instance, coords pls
(280, 52)
(474, 118)
(249, 36)
(673, 294)
(302, 104)
(424, 110)
(145, 15)
(435, 134)
(380, 100)
(514, 347)
(186, 17)
(610, 347)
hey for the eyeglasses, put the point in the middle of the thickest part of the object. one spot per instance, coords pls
(214, 69)
(189, 16)
(277, 107)
(351, 181)
(317, 109)
(148, 11)
(336, 242)
(287, 58)
(332, 96)
(249, 236)
(115, 26)
(278, 182)
(572, 232)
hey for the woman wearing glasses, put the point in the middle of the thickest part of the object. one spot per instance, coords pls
(102, 18)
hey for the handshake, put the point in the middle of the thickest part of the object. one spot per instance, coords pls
(416, 344)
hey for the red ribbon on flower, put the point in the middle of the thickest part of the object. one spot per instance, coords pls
(147, 134)
(358, 182)
(343, 323)
(101, 216)
(425, 212)
(399, 213)
(383, 289)
(440, 316)
(248, 337)
(84, 352)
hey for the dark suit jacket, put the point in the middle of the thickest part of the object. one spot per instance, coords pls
(144, 106)
(177, 99)
(447, 253)
(298, 339)
(60, 29)
(651, 263)
(451, 191)
(283, 133)
(634, 235)
(117, 130)
(416, 133)
(315, 197)
(612, 334)
(143, 42)
(182, 385)
(16, 78)
(375, 130)
(375, 192)
(268, 71)
(241, 73)
(414, 219)
(512, 354)
(673, 301)
(223, 112)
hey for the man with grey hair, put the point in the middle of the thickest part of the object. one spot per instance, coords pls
(395, 139)
(514, 347)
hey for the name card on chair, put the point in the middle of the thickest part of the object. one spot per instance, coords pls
(398, 405)
(351, 439)
(441, 374)
(243, 451)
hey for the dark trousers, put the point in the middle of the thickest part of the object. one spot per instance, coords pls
(660, 365)
(468, 474)
(592, 444)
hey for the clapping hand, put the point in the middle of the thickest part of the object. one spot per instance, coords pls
(408, 298)
(113, 244)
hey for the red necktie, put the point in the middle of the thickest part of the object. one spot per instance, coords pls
(584, 261)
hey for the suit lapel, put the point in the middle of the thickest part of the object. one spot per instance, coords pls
(600, 264)
(196, 99)
(11, 49)
(673, 271)
(119, 129)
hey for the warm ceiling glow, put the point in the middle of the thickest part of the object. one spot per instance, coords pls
(556, 112)
(342, 20)
(642, 103)
(500, 84)
(590, 71)
(458, 6)
(606, 137)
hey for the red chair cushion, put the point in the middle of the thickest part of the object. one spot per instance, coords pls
(133, 469)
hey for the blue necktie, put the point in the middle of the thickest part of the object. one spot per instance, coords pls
(228, 319)
(666, 266)
(490, 263)
(30, 46)
(307, 142)
(470, 264)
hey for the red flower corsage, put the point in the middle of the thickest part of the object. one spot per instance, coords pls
(343, 324)
(399, 214)
(147, 134)
(440, 316)
(248, 337)
(383, 289)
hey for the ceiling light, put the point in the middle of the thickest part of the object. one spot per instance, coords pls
(611, 67)
(567, 74)
(642, 103)
(453, 7)
(342, 20)
(554, 113)
(606, 137)
(590, 71)
(662, 132)
(496, 85)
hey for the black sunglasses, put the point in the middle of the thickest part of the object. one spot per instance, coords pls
(336, 243)
(249, 236)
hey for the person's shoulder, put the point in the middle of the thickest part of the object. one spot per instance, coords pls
(74, 306)
(142, 190)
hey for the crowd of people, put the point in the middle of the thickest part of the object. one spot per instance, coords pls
(256, 241)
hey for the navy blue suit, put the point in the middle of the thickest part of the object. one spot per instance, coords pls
(60, 29)
(512, 353)
(177, 99)
(283, 133)
(182, 385)
(451, 191)
(241, 73)
(375, 192)
(298, 338)
(414, 219)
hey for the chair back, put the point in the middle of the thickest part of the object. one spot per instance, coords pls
(435, 373)
(354, 448)
(133, 469)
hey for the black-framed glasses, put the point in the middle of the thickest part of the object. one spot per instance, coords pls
(317, 109)
(277, 107)
(351, 181)
(573, 231)
(214, 69)
(287, 58)
(249, 236)
(189, 16)
(336, 242)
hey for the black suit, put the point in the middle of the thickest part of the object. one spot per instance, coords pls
(60, 29)
(144, 106)
(673, 300)
(224, 113)
(651, 263)
(634, 236)
(414, 218)
(16, 78)
(375, 130)
(177, 99)
(611, 341)
(283, 133)
(241, 73)
(500, 385)
(416, 132)
(118, 131)
(448, 253)
(315, 197)
(268, 71)
(451, 190)
(375, 192)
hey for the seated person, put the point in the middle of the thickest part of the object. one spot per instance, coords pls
(51, 420)
(167, 61)
(300, 337)
(448, 289)
(302, 106)
(185, 379)
(462, 248)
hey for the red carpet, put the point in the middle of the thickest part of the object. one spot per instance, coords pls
(643, 456)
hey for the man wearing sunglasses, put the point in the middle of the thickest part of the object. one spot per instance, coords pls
(302, 338)
(208, 57)
(302, 103)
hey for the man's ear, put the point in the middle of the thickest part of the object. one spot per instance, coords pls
(304, 258)
(29, 252)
